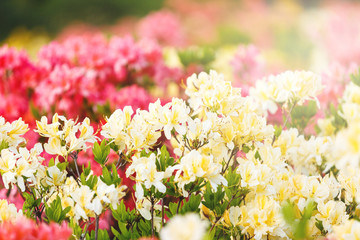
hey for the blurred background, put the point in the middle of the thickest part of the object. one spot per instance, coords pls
(293, 34)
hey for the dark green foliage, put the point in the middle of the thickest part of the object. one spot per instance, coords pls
(130, 224)
(186, 206)
(102, 234)
(53, 15)
(215, 200)
(110, 177)
(30, 204)
(54, 211)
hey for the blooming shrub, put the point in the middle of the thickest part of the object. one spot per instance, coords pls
(211, 162)
(88, 151)
(69, 77)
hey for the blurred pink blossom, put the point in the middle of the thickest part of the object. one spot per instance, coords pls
(17, 77)
(12, 196)
(164, 27)
(334, 80)
(26, 229)
(248, 66)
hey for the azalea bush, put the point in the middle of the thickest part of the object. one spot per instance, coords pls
(207, 166)
(162, 133)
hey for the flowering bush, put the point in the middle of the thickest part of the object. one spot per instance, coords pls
(69, 77)
(88, 151)
(210, 164)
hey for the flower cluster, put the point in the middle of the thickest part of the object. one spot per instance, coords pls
(11, 133)
(18, 75)
(234, 155)
(288, 88)
(65, 136)
(25, 229)
(69, 76)
(55, 189)
(214, 155)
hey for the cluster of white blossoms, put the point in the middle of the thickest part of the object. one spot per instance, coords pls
(206, 138)
(235, 120)
(196, 165)
(291, 167)
(23, 168)
(350, 103)
(203, 143)
(271, 182)
(84, 202)
(346, 151)
(65, 136)
(216, 137)
(8, 212)
(127, 133)
(287, 88)
(147, 174)
(305, 155)
(211, 92)
(11, 133)
(18, 167)
(143, 130)
(349, 230)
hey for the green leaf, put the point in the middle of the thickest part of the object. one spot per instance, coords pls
(4, 145)
(233, 179)
(278, 130)
(319, 225)
(172, 209)
(144, 153)
(298, 226)
(54, 211)
(101, 152)
(35, 111)
(75, 226)
(145, 227)
(106, 177)
(355, 78)
(192, 205)
(288, 212)
(87, 170)
(213, 200)
(102, 234)
(245, 148)
(62, 166)
(116, 233)
(115, 176)
(51, 162)
(91, 182)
